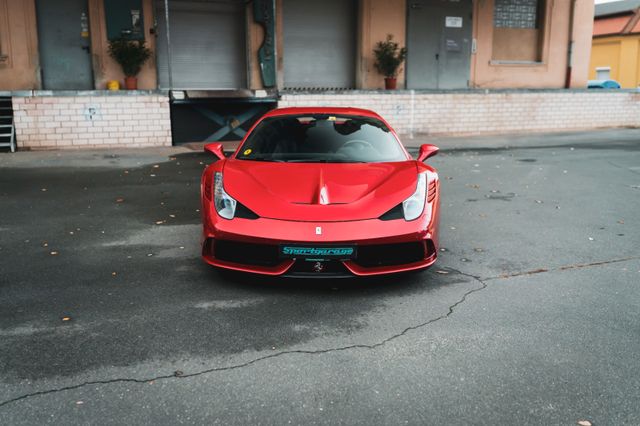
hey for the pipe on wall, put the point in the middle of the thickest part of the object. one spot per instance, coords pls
(572, 9)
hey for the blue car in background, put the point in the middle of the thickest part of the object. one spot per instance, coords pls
(603, 84)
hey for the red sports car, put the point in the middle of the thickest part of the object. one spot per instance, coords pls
(320, 192)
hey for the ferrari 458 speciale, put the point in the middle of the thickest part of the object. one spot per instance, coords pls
(320, 192)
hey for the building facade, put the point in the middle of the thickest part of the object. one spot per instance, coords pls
(62, 45)
(615, 53)
(218, 64)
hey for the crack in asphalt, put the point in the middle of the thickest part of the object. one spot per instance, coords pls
(562, 268)
(450, 311)
(181, 375)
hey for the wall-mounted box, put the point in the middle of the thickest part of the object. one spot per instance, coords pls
(124, 19)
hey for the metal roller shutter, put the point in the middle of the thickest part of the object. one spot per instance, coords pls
(208, 47)
(319, 44)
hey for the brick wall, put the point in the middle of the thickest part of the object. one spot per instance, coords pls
(106, 121)
(457, 113)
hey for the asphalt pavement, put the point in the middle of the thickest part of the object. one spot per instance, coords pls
(531, 315)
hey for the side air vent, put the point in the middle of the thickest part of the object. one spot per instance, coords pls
(431, 191)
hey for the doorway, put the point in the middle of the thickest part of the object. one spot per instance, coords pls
(439, 44)
(208, 45)
(319, 44)
(64, 44)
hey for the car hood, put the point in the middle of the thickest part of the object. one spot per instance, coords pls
(319, 191)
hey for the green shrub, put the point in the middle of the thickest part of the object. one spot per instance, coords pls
(131, 55)
(389, 56)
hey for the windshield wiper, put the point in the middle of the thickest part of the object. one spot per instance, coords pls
(266, 159)
(324, 160)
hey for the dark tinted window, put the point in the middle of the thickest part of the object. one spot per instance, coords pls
(322, 138)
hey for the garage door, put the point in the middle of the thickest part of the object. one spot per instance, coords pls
(208, 49)
(319, 43)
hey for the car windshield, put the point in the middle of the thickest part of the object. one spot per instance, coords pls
(322, 138)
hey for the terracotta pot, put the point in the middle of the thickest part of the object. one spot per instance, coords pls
(131, 83)
(390, 83)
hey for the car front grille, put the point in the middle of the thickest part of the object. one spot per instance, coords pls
(371, 256)
(368, 256)
(244, 253)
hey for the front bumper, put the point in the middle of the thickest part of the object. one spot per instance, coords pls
(383, 247)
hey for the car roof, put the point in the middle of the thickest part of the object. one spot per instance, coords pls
(323, 110)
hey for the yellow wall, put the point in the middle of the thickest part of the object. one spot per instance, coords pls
(622, 54)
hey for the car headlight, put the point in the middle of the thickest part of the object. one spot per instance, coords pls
(414, 205)
(225, 204)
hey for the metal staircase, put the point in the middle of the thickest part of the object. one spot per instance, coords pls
(7, 129)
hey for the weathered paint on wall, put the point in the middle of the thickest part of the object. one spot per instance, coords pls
(377, 18)
(104, 67)
(622, 54)
(19, 67)
(487, 71)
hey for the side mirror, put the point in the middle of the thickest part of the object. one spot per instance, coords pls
(215, 149)
(426, 151)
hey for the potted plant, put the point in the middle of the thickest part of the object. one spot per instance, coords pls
(131, 55)
(389, 57)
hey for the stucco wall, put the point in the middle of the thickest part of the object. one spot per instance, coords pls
(377, 19)
(621, 54)
(104, 67)
(19, 42)
(551, 71)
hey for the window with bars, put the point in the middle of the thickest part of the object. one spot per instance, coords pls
(516, 13)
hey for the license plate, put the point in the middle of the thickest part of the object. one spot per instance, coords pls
(342, 252)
